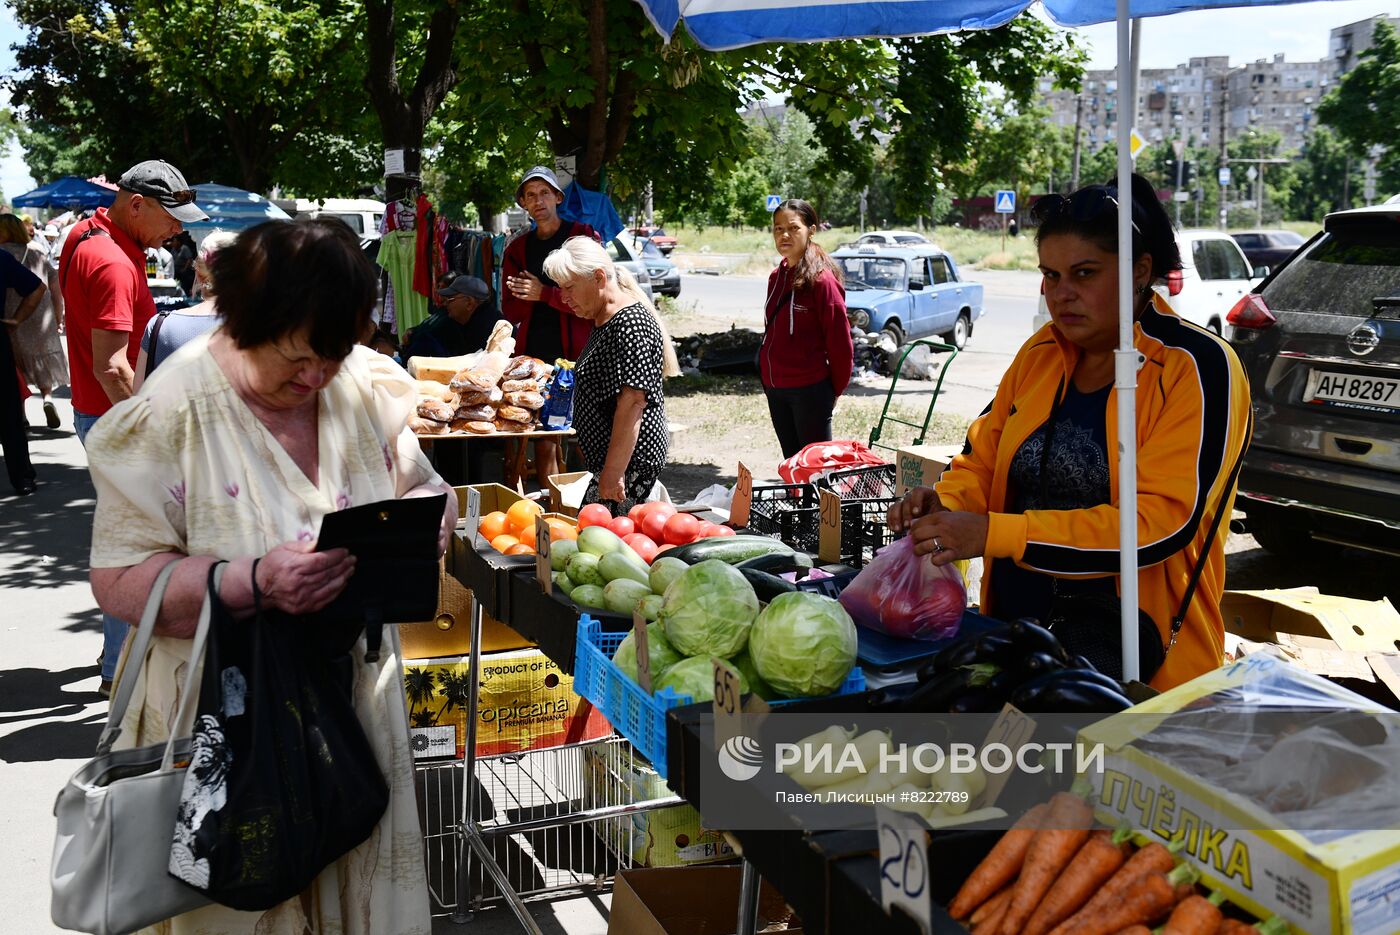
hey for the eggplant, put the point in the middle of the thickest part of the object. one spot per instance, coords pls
(1070, 697)
(1037, 664)
(997, 648)
(937, 693)
(1029, 696)
(975, 701)
(1079, 662)
(998, 689)
(766, 586)
(959, 653)
(1034, 638)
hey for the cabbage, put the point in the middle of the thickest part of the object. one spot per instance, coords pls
(708, 610)
(659, 649)
(748, 671)
(695, 677)
(803, 644)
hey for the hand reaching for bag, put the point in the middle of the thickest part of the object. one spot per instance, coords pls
(296, 579)
(918, 502)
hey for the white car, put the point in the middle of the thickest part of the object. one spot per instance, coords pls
(1214, 275)
(361, 215)
(892, 238)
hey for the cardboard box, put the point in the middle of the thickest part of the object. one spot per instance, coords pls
(1338, 882)
(666, 837)
(689, 901)
(1350, 641)
(921, 465)
(526, 703)
(449, 632)
(565, 501)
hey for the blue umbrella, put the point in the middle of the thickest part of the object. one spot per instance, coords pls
(727, 24)
(232, 209)
(68, 192)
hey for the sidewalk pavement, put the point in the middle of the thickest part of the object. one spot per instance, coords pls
(50, 712)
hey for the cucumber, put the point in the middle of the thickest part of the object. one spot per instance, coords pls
(766, 586)
(776, 563)
(728, 549)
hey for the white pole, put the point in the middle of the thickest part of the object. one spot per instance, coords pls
(1125, 358)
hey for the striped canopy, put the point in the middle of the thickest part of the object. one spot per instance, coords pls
(232, 209)
(728, 24)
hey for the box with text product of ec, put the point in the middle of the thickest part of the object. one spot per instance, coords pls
(921, 465)
(663, 837)
(1338, 882)
(526, 703)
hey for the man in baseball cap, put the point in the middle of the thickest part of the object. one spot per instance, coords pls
(462, 326)
(102, 273)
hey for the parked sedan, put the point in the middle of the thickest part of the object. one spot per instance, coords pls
(624, 254)
(1268, 247)
(1320, 340)
(665, 275)
(664, 241)
(909, 292)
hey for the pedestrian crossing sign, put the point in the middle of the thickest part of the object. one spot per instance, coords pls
(1006, 201)
(773, 201)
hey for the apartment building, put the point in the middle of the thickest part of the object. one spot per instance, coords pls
(1349, 41)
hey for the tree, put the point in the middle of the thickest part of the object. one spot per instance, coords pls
(1327, 176)
(1014, 150)
(1364, 108)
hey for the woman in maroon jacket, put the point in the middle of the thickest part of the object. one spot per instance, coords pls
(805, 360)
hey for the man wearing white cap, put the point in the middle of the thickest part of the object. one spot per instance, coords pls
(107, 304)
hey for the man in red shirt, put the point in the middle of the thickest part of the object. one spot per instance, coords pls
(102, 273)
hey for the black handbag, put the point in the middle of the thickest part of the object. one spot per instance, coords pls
(282, 780)
(1091, 624)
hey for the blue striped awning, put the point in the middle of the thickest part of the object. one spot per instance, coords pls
(728, 24)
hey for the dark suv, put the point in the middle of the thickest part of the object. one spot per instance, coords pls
(1320, 340)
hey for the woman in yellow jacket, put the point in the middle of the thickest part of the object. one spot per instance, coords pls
(1048, 526)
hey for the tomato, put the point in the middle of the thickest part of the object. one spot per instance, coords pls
(681, 528)
(522, 513)
(595, 514)
(636, 513)
(623, 526)
(644, 547)
(707, 530)
(725, 531)
(520, 548)
(662, 549)
(654, 526)
(661, 507)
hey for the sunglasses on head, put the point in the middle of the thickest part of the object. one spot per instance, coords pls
(1087, 204)
(175, 199)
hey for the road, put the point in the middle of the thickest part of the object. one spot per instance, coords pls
(715, 303)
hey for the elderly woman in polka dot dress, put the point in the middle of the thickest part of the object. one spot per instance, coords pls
(619, 408)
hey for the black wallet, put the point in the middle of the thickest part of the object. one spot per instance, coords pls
(395, 544)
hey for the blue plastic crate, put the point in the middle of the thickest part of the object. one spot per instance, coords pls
(634, 714)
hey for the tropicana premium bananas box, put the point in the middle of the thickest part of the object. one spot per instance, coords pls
(1340, 882)
(526, 703)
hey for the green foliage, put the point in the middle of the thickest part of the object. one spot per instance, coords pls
(1365, 108)
(1327, 177)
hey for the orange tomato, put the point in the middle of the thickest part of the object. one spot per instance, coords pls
(520, 548)
(493, 525)
(526, 535)
(560, 530)
(503, 542)
(522, 513)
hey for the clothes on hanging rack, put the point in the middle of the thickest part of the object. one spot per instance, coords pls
(430, 259)
(398, 254)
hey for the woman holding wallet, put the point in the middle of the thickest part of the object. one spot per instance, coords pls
(234, 450)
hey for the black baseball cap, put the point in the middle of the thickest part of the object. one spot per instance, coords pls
(469, 286)
(158, 179)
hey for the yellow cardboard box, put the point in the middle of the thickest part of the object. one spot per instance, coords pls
(665, 837)
(559, 500)
(526, 703)
(1338, 882)
(921, 465)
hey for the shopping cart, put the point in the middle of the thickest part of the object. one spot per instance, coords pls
(878, 431)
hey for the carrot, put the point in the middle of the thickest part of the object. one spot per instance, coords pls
(1051, 851)
(1235, 927)
(1095, 863)
(1195, 915)
(991, 923)
(1151, 858)
(1149, 898)
(997, 904)
(1000, 866)
(1136, 930)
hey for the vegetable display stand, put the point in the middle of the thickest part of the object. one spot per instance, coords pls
(922, 427)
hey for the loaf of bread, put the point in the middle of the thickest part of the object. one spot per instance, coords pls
(492, 397)
(427, 426)
(520, 386)
(502, 339)
(530, 399)
(475, 413)
(441, 369)
(431, 389)
(526, 368)
(514, 414)
(436, 409)
(473, 426)
(509, 425)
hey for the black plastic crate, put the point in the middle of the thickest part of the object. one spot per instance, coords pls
(864, 483)
(865, 529)
(787, 512)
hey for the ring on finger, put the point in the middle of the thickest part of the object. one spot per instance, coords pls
(937, 544)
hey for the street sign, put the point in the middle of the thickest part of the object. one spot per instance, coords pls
(1252, 174)
(1136, 143)
(1224, 176)
(1181, 196)
(1006, 201)
(772, 202)
(1178, 148)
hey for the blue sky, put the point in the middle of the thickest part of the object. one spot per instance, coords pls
(1299, 31)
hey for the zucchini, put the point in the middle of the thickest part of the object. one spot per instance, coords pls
(777, 563)
(766, 586)
(728, 549)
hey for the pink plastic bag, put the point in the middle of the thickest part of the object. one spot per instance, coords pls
(904, 595)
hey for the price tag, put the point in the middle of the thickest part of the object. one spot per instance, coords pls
(904, 866)
(641, 641)
(829, 530)
(743, 498)
(544, 571)
(473, 521)
(1014, 729)
(728, 702)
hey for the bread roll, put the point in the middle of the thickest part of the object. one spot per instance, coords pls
(531, 400)
(432, 389)
(475, 413)
(478, 398)
(514, 414)
(481, 428)
(502, 339)
(508, 425)
(520, 386)
(436, 409)
(427, 426)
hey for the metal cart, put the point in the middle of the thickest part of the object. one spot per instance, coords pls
(877, 432)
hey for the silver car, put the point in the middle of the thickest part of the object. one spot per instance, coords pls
(1320, 340)
(623, 254)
